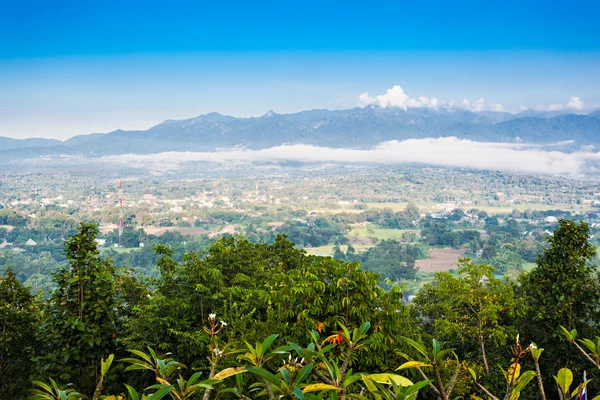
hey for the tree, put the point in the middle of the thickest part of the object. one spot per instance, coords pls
(18, 324)
(228, 280)
(562, 290)
(81, 316)
(324, 294)
(473, 307)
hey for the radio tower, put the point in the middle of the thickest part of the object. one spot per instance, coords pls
(120, 210)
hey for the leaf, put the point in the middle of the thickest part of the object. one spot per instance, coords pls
(567, 333)
(318, 387)
(285, 373)
(160, 393)
(387, 378)
(473, 374)
(267, 342)
(513, 372)
(580, 387)
(416, 387)
(194, 378)
(589, 344)
(413, 364)
(564, 379)
(303, 374)
(523, 380)
(105, 365)
(263, 373)
(298, 393)
(436, 347)
(418, 346)
(227, 372)
(132, 393)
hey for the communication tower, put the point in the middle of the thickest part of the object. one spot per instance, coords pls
(120, 210)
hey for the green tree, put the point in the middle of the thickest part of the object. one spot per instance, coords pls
(474, 311)
(81, 316)
(324, 294)
(562, 290)
(18, 324)
(228, 280)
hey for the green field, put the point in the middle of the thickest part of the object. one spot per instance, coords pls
(118, 249)
(528, 266)
(328, 250)
(503, 209)
(372, 231)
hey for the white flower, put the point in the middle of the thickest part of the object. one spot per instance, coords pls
(212, 317)
(218, 352)
(223, 323)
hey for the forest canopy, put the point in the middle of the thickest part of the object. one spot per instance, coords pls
(247, 320)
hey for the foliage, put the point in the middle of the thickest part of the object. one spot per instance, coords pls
(324, 294)
(18, 324)
(473, 311)
(562, 290)
(81, 318)
(276, 291)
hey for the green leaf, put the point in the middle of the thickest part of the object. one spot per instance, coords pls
(303, 374)
(263, 373)
(267, 342)
(564, 379)
(416, 387)
(132, 393)
(105, 365)
(194, 378)
(436, 347)
(418, 346)
(160, 393)
(473, 374)
(523, 380)
(285, 373)
(298, 393)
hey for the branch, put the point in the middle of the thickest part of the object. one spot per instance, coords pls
(268, 389)
(439, 383)
(585, 354)
(484, 390)
(539, 379)
(453, 381)
(324, 378)
(431, 385)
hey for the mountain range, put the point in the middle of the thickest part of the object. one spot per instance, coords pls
(355, 128)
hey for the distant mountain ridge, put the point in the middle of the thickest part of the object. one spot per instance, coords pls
(356, 127)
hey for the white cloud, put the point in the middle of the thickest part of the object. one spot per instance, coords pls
(574, 104)
(396, 97)
(448, 151)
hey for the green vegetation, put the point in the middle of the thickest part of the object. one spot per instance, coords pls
(248, 320)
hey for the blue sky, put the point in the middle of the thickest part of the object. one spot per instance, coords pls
(73, 67)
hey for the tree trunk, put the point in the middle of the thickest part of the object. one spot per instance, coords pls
(539, 379)
(482, 342)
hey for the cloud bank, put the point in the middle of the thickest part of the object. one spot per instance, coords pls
(396, 97)
(574, 104)
(448, 151)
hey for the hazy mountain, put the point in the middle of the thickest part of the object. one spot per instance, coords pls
(357, 127)
(9, 143)
(595, 114)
